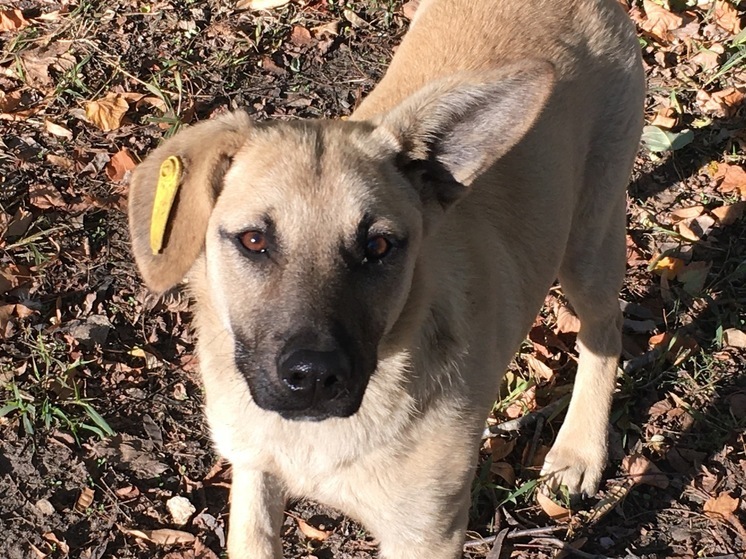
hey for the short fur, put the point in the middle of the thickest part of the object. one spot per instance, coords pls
(494, 156)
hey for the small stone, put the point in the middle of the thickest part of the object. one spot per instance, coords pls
(45, 507)
(181, 510)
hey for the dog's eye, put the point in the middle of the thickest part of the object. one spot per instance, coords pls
(377, 247)
(254, 241)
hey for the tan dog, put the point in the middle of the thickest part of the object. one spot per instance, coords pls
(361, 286)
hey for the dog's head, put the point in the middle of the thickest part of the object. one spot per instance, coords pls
(311, 231)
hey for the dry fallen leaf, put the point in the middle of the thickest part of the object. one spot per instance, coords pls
(734, 337)
(12, 20)
(57, 129)
(162, 536)
(567, 320)
(709, 58)
(85, 499)
(553, 510)
(726, 16)
(722, 505)
(311, 532)
(300, 36)
(526, 402)
(500, 447)
(687, 213)
(121, 162)
(643, 471)
(722, 104)
(61, 545)
(46, 196)
(664, 118)
(505, 471)
(730, 213)
(659, 22)
(107, 113)
(732, 178)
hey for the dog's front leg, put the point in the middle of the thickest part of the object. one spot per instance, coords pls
(257, 504)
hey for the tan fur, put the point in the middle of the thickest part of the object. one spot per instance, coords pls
(499, 143)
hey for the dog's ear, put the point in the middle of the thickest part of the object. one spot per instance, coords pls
(195, 162)
(454, 129)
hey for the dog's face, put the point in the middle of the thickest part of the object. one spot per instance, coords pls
(310, 250)
(311, 230)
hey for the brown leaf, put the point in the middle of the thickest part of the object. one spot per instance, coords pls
(6, 311)
(45, 197)
(300, 36)
(734, 337)
(311, 532)
(36, 63)
(524, 403)
(721, 506)
(553, 510)
(121, 162)
(659, 22)
(726, 16)
(12, 20)
(664, 118)
(709, 58)
(162, 536)
(61, 545)
(643, 471)
(567, 320)
(722, 104)
(107, 113)
(729, 214)
(85, 499)
(61, 162)
(504, 471)
(687, 213)
(733, 178)
(57, 129)
(18, 224)
(500, 447)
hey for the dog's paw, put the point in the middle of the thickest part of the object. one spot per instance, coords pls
(579, 469)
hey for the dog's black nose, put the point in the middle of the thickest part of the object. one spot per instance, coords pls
(316, 376)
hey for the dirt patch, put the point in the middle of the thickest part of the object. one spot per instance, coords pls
(100, 400)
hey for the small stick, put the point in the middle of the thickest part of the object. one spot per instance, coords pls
(559, 544)
(525, 421)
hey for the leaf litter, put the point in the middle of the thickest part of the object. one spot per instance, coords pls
(91, 92)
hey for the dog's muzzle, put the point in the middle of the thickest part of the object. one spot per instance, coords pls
(307, 383)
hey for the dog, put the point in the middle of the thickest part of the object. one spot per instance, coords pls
(361, 285)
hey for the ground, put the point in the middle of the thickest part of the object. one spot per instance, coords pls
(100, 399)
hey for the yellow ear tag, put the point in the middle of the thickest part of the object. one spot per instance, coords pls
(165, 193)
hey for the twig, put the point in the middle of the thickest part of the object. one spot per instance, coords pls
(513, 534)
(559, 544)
(525, 421)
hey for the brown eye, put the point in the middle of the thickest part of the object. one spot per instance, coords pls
(377, 247)
(254, 241)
